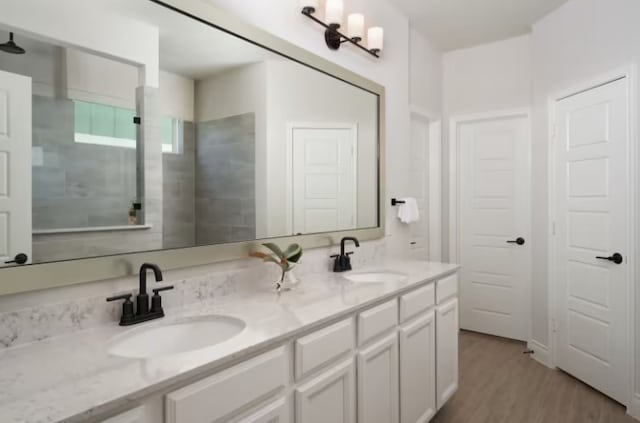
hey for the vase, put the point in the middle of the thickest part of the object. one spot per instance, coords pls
(288, 282)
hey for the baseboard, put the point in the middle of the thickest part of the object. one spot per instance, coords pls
(634, 408)
(540, 352)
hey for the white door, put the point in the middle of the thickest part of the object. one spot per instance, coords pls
(494, 213)
(419, 188)
(329, 397)
(324, 179)
(418, 369)
(592, 181)
(378, 390)
(15, 168)
(446, 351)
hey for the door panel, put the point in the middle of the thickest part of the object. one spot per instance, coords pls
(418, 369)
(15, 167)
(591, 147)
(329, 397)
(324, 179)
(494, 209)
(446, 351)
(378, 389)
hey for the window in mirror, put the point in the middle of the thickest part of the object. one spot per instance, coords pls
(102, 124)
(172, 135)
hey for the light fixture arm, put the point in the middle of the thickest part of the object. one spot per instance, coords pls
(333, 37)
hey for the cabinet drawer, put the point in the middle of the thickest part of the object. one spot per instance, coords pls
(446, 288)
(417, 301)
(377, 320)
(321, 347)
(136, 415)
(217, 396)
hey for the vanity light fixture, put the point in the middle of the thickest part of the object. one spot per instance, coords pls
(334, 38)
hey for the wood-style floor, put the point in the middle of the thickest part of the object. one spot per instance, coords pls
(500, 384)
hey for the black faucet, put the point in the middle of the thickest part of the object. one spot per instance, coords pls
(143, 312)
(343, 261)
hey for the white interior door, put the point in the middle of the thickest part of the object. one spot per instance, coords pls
(592, 181)
(419, 189)
(494, 206)
(15, 168)
(324, 179)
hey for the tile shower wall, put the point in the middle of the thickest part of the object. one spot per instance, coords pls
(64, 246)
(77, 185)
(178, 174)
(225, 180)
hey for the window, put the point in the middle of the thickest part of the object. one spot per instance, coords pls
(101, 124)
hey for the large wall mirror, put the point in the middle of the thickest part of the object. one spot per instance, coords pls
(228, 140)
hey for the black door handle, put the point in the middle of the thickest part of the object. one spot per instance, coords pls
(519, 241)
(616, 258)
(18, 259)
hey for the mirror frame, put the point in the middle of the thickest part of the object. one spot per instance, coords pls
(55, 274)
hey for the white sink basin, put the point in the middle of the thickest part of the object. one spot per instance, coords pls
(184, 336)
(376, 277)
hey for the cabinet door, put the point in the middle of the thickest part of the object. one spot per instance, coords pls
(417, 370)
(329, 397)
(378, 382)
(447, 355)
(231, 391)
(276, 412)
(137, 415)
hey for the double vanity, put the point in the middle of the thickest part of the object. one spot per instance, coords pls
(371, 345)
(188, 147)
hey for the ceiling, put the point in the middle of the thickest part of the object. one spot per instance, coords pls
(188, 47)
(455, 24)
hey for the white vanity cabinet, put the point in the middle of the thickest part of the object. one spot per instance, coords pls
(447, 338)
(418, 356)
(326, 391)
(395, 362)
(329, 397)
(233, 391)
(377, 359)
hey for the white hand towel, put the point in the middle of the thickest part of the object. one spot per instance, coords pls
(408, 212)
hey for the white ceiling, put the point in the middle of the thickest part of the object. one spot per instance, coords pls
(188, 47)
(455, 24)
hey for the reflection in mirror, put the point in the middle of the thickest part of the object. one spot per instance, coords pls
(236, 143)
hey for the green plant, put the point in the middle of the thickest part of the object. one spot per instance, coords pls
(285, 259)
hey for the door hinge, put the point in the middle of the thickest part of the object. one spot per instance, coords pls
(554, 325)
(553, 228)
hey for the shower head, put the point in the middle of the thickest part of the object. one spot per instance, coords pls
(11, 47)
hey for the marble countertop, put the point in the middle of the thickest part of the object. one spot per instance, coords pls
(72, 377)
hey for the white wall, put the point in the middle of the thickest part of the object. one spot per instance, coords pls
(177, 96)
(425, 75)
(97, 79)
(490, 77)
(578, 42)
